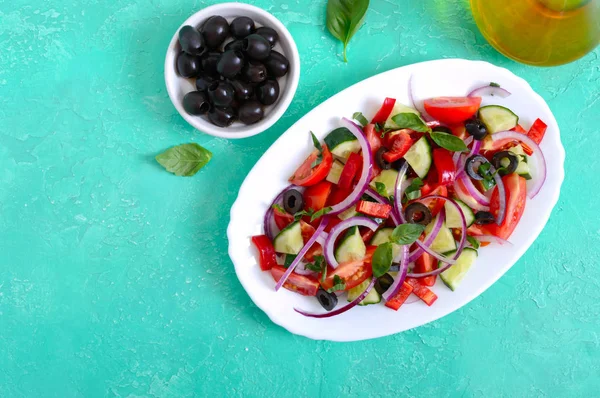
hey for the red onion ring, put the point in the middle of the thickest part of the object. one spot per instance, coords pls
(415, 254)
(501, 196)
(468, 199)
(395, 288)
(479, 197)
(492, 239)
(411, 96)
(341, 227)
(489, 90)
(268, 223)
(342, 309)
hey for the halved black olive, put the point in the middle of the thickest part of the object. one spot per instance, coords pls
(230, 63)
(220, 93)
(222, 117)
(484, 217)
(472, 166)
(241, 27)
(326, 299)
(397, 165)
(417, 213)
(269, 34)
(209, 63)
(381, 162)
(243, 90)
(293, 202)
(268, 92)
(250, 112)
(442, 129)
(498, 160)
(188, 65)
(191, 40)
(215, 30)
(254, 72)
(196, 103)
(256, 47)
(383, 283)
(476, 128)
(277, 64)
(234, 45)
(203, 81)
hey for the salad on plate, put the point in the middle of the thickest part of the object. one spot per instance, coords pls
(383, 207)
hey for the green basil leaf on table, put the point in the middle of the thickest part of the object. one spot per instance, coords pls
(448, 141)
(407, 234)
(382, 259)
(359, 117)
(411, 121)
(184, 160)
(344, 18)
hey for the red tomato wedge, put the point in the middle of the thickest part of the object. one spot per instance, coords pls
(435, 205)
(296, 283)
(306, 175)
(315, 196)
(516, 195)
(452, 110)
(282, 219)
(352, 272)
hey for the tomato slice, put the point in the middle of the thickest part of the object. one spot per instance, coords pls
(398, 143)
(296, 283)
(460, 131)
(452, 110)
(385, 111)
(435, 205)
(516, 194)
(333, 221)
(338, 195)
(316, 195)
(306, 175)
(282, 219)
(352, 272)
(426, 263)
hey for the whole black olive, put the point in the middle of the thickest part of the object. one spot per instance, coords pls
(277, 64)
(472, 166)
(196, 103)
(220, 94)
(293, 202)
(327, 300)
(209, 63)
(215, 30)
(191, 40)
(230, 63)
(241, 27)
(269, 34)
(203, 81)
(484, 217)
(254, 72)
(268, 92)
(508, 158)
(383, 283)
(243, 90)
(250, 112)
(442, 129)
(381, 162)
(256, 47)
(237, 45)
(187, 65)
(476, 128)
(222, 117)
(417, 213)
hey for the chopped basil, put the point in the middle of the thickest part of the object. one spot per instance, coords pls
(338, 284)
(359, 117)
(474, 242)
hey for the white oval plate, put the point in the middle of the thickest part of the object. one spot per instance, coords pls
(452, 77)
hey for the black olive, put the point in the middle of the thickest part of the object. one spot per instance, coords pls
(241, 27)
(269, 34)
(215, 30)
(256, 47)
(472, 166)
(417, 213)
(220, 93)
(381, 162)
(250, 112)
(277, 64)
(442, 129)
(394, 268)
(196, 103)
(243, 90)
(326, 299)
(203, 81)
(397, 165)
(222, 117)
(476, 128)
(268, 92)
(209, 63)
(484, 217)
(230, 63)
(187, 65)
(191, 40)
(498, 162)
(237, 45)
(383, 283)
(254, 72)
(293, 202)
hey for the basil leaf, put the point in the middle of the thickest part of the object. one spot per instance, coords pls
(344, 18)
(381, 189)
(303, 213)
(320, 213)
(415, 185)
(492, 84)
(382, 259)
(317, 266)
(316, 142)
(411, 121)
(318, 146)
(474, 242)
(338, 284)
(484, 170)
(359, 117)
(448, 141)
(407, 234)
(380, 127)
(278, 208)
(413, 195)
(289, 258)
(184, 160)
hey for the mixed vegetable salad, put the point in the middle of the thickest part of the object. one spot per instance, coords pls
(380, 209)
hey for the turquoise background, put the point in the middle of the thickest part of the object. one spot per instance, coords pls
(114, 274)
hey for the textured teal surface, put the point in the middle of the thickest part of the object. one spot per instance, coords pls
(114, 275)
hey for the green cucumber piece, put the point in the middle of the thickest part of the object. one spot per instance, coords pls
(289, 240)
(419, 157)
(387, 178)
(444, 241)
(523, 166)
(455, 274)
(383, 236)
(351, 246)
(372, 298)
(398, 108)
(453, 218)
(342, 143)
(497, 118)
(346, 214)
(335, 173)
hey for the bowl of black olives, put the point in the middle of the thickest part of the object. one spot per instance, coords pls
(232, 70)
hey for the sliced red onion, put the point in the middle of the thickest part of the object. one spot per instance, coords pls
(411, 97)
(360, 221)
(301, 269)
(395, 288)
(489, 90)
(538, 182)
(459, 158)
(415, 254)
(342, 309)
(268, 222)
(300, 256)
(380, 199)
(492, 239)
(475, 148)
(501, 196)
(322, 238)
(468, 199)
(479, 197)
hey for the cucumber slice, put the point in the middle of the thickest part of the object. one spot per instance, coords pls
(419, 157)
(444, 241)
(453, 218)
(383, 236)
(523, 166)
(336, 171)
(372, 298)
(351, 247)
(497, 118)
(388, 178)
(455, 274)
(346, 214)
(289, 240)
(342, 143)
(398, 108)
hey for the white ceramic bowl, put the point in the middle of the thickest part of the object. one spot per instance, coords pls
(178, 86)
